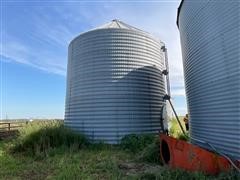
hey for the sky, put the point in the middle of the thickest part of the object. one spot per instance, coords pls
(34, 40)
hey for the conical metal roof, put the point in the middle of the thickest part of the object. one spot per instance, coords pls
(117, 24)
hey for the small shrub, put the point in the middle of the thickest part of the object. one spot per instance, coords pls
(151, 153)
(136, 143)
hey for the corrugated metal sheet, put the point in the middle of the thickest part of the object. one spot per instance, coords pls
(114, 83)
(210, 39)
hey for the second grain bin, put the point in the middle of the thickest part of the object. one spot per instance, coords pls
(115, 84)
(210, 39)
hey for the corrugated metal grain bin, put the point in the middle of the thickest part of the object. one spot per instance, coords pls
(115, 84)
(210, 39)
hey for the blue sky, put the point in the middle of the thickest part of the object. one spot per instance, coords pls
(34, 40)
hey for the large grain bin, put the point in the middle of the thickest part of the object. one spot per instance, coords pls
(210, 39)
(114, 83)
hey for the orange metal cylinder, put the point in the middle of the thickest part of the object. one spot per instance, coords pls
(181, 154)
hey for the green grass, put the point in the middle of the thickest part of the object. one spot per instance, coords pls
(135, 143)
(176, 131)
(39, 138)
(77, 159)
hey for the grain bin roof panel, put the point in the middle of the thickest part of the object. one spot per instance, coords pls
(123, 29)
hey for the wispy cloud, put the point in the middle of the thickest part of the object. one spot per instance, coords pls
(20, 53)
(57, 34)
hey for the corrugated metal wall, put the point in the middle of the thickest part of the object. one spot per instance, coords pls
(210, 39)
(114, 84)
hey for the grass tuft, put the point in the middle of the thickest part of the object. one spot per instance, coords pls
(136, 143)
(40, 138)
(183, 137)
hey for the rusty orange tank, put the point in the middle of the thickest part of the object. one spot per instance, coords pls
(181, 154)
